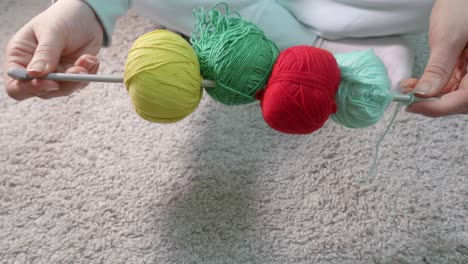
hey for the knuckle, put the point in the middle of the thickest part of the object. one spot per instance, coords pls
(12, 43)
(19, 47)
(44, 48)
(15, 51)
(437, 71)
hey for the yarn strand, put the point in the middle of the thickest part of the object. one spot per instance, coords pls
(375, 160)
(233, 52)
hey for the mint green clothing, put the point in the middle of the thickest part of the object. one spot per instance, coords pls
(278, 24)
(286, 22)
(108, 12)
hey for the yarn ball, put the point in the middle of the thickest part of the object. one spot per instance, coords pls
(233, 52)
(299, 97)
(162, 76)
(364, 92)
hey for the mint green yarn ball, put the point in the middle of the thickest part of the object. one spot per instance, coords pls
(234, 53)
(364, 92)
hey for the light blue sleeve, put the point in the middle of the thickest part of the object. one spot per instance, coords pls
(279, 25)
(108, 11)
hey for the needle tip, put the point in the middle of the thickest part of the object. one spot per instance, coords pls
(19, 74)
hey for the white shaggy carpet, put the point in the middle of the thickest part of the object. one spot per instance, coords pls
(83, 179)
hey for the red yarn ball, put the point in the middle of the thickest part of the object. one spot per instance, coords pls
(300, 94)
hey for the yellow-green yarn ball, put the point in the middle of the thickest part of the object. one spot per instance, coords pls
(162, 76)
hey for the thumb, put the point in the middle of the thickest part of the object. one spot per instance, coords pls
(440, 67)
(47, 54)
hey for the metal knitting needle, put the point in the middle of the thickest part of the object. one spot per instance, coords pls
(22, 75)
(407, 98)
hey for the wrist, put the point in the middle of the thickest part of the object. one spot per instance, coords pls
(80, 18)
(91, 14)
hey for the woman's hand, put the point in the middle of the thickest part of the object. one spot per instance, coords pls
(64, 38)
(446, 72)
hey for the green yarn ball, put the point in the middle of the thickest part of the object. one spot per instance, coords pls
(234, 53)
(364, 92)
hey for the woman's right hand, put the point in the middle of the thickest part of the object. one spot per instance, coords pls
(64, 38)
(446, 73)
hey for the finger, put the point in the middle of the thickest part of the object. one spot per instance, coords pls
(47, 54)
(72, 86)
(450, 104)
(89, 62)
(47, 89)
(86, 64)
(67, 88)
(23, 90)
(439, 70)
(20, 90)
(408, 85)
(19, 53)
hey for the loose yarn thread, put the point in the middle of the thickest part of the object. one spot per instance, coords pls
(305, 86)
(309, 84)
(375, 160)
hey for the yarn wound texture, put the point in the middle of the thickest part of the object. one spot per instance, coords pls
(162, 76)
(233, 52)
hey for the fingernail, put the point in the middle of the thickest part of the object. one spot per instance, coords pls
(38, 66)
(423, 88)
(50, 89)
(91, 62)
